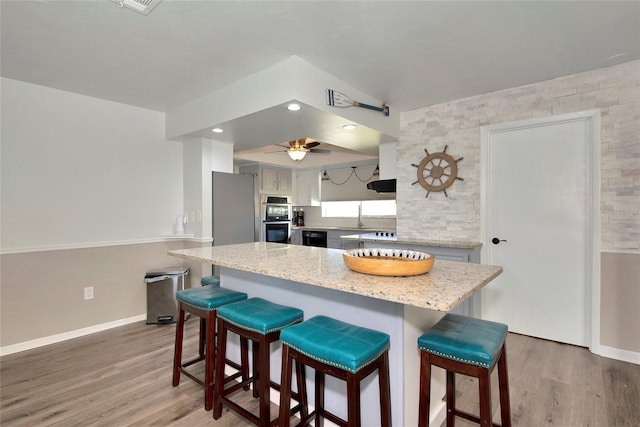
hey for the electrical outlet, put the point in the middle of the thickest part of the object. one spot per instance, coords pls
(88, 292)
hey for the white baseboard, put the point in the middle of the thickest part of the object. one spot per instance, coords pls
(52, 339)
(618, 354)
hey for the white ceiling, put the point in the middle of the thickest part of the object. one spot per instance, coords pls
(408, 54)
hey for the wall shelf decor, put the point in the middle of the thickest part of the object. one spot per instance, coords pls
(437, 172)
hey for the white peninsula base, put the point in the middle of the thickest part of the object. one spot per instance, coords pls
(403, 324)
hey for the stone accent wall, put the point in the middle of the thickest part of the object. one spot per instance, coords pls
(614, 90)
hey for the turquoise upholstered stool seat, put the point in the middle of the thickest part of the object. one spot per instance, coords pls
(336, 343)
(209, 297)
(339, 349)
(210, 280)
(203, 302)
(259, 315)
(465, 339)
(260, 321)
(471, 347)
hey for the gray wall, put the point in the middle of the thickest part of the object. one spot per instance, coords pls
(88, 189)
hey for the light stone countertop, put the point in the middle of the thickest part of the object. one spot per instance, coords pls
(443, 288)
(371, 237)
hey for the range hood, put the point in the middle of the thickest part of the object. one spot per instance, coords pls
(383, 186)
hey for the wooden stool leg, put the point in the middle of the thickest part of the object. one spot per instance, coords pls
(219, 373)
(177, 350)
(451, 399)
(484, 388)
(319, 388)
(385, 392)
(244, 360)
(210, 360)
(425, 390)
(264, 383)
(301, 383)
(285, 388)
(203, 337)
(255, 351)
(353, 401)
(503, 381)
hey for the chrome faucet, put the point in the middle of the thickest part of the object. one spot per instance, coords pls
(360, 224)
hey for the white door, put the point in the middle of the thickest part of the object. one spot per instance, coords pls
(538, 205)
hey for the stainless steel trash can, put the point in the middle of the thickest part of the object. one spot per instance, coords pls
(162, 285)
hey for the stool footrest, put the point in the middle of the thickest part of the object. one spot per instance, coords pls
(193, 361)
(190, 375)
(470, 417)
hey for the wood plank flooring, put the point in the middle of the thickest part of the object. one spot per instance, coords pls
(122, 377)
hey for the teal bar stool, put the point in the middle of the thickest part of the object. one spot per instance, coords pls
(206, 281)
(348, 352)
(260, 321)
(210, 281)
(203, 302)
(468, 346)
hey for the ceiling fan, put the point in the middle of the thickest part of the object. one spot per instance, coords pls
(298, 149)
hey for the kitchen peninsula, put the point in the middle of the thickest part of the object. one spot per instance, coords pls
(317, 281)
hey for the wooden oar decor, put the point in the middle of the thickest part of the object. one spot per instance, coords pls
(340, 100)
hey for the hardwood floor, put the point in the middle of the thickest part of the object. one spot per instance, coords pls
(122, 377)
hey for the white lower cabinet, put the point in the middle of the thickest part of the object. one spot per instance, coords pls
(296, 236)
(334, 239)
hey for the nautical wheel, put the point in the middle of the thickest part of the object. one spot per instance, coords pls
(437, 171)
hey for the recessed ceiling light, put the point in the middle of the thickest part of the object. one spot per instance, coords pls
(217, 130)
(293, 107)
(349, 127)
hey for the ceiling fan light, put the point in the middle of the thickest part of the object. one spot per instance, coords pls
(296, 155)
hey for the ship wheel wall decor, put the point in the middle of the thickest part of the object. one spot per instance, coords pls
(437, 172)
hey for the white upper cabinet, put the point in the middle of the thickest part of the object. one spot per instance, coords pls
(275, 181)
(306, 187)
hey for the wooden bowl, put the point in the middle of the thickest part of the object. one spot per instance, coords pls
(388, 262)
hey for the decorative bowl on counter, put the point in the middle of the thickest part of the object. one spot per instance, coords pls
(388, 262)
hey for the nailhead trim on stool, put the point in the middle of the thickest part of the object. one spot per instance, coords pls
(468, 346)
(261, 322)
(203, 302)
(348, 352)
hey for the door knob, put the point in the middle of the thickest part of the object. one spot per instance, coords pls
(495, 240)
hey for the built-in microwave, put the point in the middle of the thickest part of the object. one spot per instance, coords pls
(276, 210)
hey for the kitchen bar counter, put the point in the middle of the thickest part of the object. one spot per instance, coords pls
(442, 289)
(317, 281)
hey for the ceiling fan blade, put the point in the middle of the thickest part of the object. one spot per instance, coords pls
(271, 152)
(311, 144)
(319, 151)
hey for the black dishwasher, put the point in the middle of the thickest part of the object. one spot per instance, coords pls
(314, 238)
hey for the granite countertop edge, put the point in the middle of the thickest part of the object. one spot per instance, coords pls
(442, 289)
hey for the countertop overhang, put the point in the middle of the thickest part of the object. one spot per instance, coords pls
(443, 288)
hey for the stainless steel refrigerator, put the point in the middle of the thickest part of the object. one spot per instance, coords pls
(234, 209)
